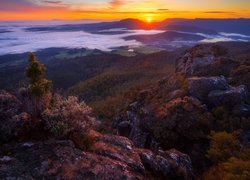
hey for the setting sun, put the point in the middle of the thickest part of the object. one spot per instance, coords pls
(149, 19)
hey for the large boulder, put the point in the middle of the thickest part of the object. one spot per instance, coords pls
(206, 60)
(233, 99)
(170, 164)
(110, 157)
(61, 160)
(230, 97)
(200, 87)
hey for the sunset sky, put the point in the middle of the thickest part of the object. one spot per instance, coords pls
(119, 9)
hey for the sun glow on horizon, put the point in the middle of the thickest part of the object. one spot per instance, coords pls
(147, 10)
(149, 19)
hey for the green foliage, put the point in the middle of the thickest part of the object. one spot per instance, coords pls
(223, 145)
(39, 86)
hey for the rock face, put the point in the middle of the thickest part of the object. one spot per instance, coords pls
(230, 97)
(233, 99)
(159, 164)
(199, 87)
(205, 60)
(110, 157)
(178, 119)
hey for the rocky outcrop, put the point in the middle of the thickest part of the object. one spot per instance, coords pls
(110, 157)
(234, 99)
(200, 87)
(215, 91)
(178, 119)
(159, 164)
(206, 60)
(179, 111)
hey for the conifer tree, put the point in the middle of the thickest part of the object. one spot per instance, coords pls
(39, 85)
(39, 89)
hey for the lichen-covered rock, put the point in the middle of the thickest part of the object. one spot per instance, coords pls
(110, 157)
(200, 87)
(61, 160)
(170, 164)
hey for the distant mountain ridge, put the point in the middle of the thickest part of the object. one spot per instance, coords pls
(208, 26)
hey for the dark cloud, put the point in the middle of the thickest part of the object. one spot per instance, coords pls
(163, 9)
(53, 2)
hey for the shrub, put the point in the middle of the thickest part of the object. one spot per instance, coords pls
(223, 145)
(234, 168)
(67, 115)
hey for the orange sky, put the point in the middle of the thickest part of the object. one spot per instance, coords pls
(119, 9)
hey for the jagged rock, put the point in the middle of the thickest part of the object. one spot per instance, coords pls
(200, 87)
(230, 97)
(170, 164)
(110, 157)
